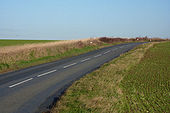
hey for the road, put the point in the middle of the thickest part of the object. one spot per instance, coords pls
(33, 89)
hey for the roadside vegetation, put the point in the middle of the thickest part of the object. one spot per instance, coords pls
(8, 42)
(18, 54)
(21, 56)
(137, 81)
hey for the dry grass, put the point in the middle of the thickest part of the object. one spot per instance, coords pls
(8, 49)
(21, 56)
(99, 91)
(11, 42)
(13, 56)
(24, 47)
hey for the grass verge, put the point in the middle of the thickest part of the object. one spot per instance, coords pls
(137, 81)
(22, 56)
(4, 67)
(30, 55)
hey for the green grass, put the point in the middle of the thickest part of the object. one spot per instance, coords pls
(137, 81)
(9, 42)
(20, 64)
(5, 67)
(72, 52)
(146, 87)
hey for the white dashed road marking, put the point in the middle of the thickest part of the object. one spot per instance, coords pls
(106, 52)
(46, 73)
(69, 65)
(98, 55)
(85, 59)
(56, 70)
(20, 82)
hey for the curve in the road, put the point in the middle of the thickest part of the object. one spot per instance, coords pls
(33, 89)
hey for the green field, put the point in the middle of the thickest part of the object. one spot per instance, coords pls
(4, 42)
(138, 81)
(146, 87)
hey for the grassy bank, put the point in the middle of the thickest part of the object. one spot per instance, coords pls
(18, 57)
(135, 82)
(4, 42)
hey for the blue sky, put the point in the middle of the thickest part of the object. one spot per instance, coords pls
(76, 19)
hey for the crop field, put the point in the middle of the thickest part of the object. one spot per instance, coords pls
(4, 42)
(137, 81)
(146, 87)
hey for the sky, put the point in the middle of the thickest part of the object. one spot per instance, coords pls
(76, 19)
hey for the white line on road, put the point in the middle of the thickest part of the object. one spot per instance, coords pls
(85, 59)
(106, 52)
(69, 65)
(98, 55)
(20, 82)
(46, 73)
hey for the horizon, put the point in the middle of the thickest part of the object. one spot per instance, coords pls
(68, 20)
(89, 38)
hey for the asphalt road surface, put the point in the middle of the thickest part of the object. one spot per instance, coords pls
(33, 89)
